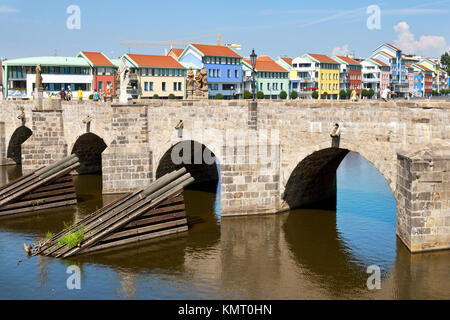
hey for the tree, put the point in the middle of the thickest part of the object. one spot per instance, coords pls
(171, 96)
(342, 94)
(325, 94)
(155, 96)
(445, 61)
(293, 95)
(247, 94)
(315, 94)
(364, 93)
(260, 95)
(218, 96)
(283, 95)
(370, 93)
(349, 93)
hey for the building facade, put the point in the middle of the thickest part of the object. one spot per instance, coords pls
(304, 77)
(223, 67)
(271, 78)
(19, 76)
(350, 74)
(102, 69)
(375, 76)
(392, 56)
(160, 75)
(328, 72)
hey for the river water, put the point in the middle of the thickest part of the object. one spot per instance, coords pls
(302, 254)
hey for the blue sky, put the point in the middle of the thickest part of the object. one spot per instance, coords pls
(284, 27)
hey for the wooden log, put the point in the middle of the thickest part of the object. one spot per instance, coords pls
(137, 239)
(40, 195)
(154, 219)
(39, 182)
(36, 202)
(129, 216)
(141, 230)
(41, 207)
(56, 164)
(54, 186)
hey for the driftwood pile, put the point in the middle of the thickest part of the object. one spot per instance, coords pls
(155, 211)
(46, 188)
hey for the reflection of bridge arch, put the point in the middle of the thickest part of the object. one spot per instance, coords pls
(19, 136)
(313, 180)
(88, 148)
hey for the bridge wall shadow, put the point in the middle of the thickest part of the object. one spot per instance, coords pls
(20, 135)
(89, 148)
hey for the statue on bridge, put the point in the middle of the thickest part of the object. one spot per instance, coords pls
(335, 135)
(124, 72)
(38, 82)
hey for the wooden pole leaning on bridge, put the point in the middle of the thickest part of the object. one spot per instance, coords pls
(47, 187)
(155, 211)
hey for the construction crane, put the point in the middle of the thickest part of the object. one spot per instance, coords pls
(179, 43)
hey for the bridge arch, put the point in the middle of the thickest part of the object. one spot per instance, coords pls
(89, 147)
(312, 181)
(19, 136)
(198, 160)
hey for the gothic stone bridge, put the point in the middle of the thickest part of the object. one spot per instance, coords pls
(269, 156)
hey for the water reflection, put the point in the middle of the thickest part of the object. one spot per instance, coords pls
(303, 254)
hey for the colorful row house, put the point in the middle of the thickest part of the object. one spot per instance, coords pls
(350, 74)
(316, 72)
(375, 75)
(223, 67)
(392, 56)
(102, 69)
(270, 77)
(157, 75)
(423, 80)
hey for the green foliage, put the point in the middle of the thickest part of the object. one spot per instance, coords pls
(260, 95)
(72, 239)
(445, 61)
(325, 95)
(343, 94)
(283, 95)
(370, 93)
(49, 235)
(171, 96)
(434, 93)
(218, 96)
(247, 94)
(91, 97)
(155, 96)
(348, 93)
(364, 93)
(293, 95)
(315, 94)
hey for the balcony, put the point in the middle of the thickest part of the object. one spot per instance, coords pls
(370, 80)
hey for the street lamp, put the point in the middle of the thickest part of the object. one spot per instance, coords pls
(253, 57)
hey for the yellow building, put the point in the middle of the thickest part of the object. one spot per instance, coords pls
(160, 75)
(327, 73)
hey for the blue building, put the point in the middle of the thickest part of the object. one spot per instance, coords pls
(418, 85)
(222, 64)
(392, 56)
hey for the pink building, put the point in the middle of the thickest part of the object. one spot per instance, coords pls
(385, 74)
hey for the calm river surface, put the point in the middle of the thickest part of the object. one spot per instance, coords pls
(302, 254)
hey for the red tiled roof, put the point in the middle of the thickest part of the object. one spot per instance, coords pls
(177, 51)
(322, 58)
(395, 48)
(423, 67)
(287, 60)
(388, 54)
(97, 58)
(265, 63)
(379, 62)
(348, 60)
(219, 51)
(145, 60)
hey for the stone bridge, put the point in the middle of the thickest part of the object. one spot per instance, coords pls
(270, 156)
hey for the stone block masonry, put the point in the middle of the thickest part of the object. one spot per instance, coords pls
(302, 163)
(423, 197)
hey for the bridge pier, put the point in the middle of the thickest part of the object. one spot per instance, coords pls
(47, 144)
(423, 198)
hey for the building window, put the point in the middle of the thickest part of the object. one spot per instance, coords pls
(229, 73)
(179, 86)
(236, 73)
(163, 86)
(145, 86)
(174, 86)
(151, 86)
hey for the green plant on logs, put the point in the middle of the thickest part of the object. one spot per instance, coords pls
(72, 239)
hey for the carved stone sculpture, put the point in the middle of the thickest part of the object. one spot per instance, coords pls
(190, 79)
(198, 80)
(204, 78)
(124, 82)
(38, 81)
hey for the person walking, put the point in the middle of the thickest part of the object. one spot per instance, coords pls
(62, 94)
(95, 95)
(80, 94)
(353, 96)
(385, 94)
(69, 94)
